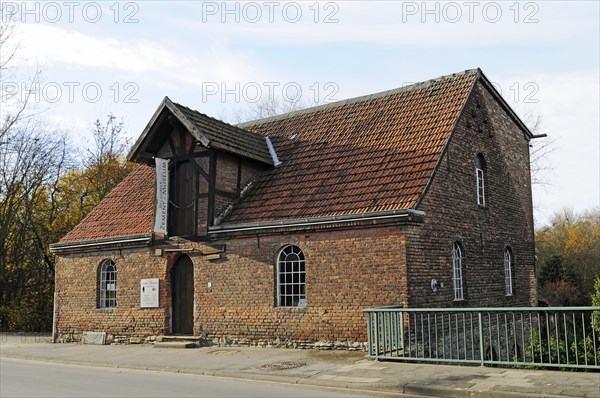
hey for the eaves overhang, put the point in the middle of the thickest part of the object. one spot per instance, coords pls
(120, 242)
(137, 149)
(180, 115)
(304, 224)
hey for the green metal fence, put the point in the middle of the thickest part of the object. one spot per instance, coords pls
(558, 337)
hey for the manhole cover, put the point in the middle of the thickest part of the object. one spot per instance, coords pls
(222, 352)
(282, 365)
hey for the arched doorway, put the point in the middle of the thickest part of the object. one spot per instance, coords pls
(182, 296)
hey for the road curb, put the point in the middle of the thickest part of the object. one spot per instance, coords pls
(288, 380)
(427, 390)
(393, 387)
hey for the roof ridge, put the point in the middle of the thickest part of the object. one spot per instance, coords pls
(215, 119)
(353, 100)
(210, 123)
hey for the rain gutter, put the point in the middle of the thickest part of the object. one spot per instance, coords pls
(129, 241)
(315, 221)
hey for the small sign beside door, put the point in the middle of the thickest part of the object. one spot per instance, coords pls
(149, 293)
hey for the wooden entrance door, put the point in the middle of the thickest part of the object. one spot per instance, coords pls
(182, 296)
(183, 200)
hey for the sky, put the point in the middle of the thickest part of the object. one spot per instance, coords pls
(224, 58)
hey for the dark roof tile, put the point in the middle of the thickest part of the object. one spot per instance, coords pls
(229, 138)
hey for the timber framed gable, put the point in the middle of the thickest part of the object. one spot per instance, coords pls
(209, 163)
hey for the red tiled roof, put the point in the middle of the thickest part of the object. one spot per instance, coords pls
(127, 210)
(368, 154)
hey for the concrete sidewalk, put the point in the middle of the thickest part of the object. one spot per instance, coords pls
(340, 369)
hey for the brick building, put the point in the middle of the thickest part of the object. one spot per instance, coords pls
(285, 228)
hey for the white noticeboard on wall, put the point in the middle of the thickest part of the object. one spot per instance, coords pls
(149, 293)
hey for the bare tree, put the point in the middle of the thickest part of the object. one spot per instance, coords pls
(38, 182)
(268, 107)
(541, 148)
(32, 159)
(31, 162)
(105, 160)
(15, 90)
(9, 47)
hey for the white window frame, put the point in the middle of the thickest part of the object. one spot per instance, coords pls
(480, 187)
(457, 274)
(480, 175)
(508, 265)
(107, 295)
(291, 277)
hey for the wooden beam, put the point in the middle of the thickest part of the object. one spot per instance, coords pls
(239, 174)
(212, 183)
(192, 148)
(196, 197)
(226, 194)
(182, 151)
(172, 146)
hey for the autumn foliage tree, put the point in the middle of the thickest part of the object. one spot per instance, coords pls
(44, 191)
(103, 166)
(568, 252)
(30, 161)
(32, 158)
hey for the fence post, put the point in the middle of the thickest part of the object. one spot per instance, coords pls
(402, 313)
(377, 328)
(481, 353)
(369, 334)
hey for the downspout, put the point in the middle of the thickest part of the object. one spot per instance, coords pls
(55, 318)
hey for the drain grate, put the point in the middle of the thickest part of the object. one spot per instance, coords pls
(222, 352)
(282, 365)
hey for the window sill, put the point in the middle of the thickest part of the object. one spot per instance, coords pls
(294, 308)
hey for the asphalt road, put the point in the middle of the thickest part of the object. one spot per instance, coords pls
(24, 378)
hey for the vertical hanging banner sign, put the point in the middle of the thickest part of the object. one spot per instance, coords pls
(162, 195)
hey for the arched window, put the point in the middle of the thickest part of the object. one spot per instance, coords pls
(480, 170)
(291, 278)
(107, 282)
(508, 265)
(457, 274)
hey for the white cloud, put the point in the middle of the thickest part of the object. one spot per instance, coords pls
(407, 23)
(154, 60)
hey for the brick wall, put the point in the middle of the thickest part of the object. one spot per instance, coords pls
(346, 271)
(77, 290)
(231, 171)
(452, 214)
